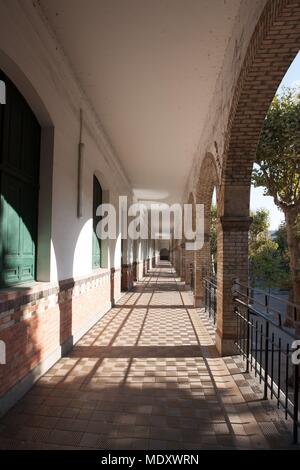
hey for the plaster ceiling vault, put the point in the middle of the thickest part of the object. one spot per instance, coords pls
(149, 68)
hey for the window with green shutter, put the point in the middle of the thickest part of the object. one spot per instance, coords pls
(97, 200)
(20, 136)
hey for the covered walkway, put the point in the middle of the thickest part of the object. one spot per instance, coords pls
(146, 376)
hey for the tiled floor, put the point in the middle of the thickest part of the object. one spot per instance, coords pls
(146, 376)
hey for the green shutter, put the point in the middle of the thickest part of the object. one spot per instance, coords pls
(19, 177)
(97, 200)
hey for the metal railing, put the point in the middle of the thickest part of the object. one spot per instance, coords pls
(210, 297)
(267, 348)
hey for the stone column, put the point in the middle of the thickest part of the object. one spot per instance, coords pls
(232, 264)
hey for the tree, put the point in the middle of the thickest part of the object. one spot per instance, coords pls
(266, 267)
(258, 229)
(264, 254)
(277, 169)
(281, 240)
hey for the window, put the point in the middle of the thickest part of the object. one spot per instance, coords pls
(97, 200)
(20, 136)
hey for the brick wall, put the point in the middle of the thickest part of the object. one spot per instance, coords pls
(274, 44)
(127, 277)
(39, 323)
(208, 180)
(254, 65)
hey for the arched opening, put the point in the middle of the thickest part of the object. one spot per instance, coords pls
(275, 256)
(274, 45)
(164, 254)
(205, 258)
(20, 137)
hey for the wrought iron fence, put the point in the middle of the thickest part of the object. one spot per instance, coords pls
(210, 298)
(267, 348)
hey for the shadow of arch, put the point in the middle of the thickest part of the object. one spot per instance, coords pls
(119, 413)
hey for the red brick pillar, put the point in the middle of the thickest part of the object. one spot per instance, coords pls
(179, 259)
(127, 277)
(202, 270)
(173, 252)
(175, 257)
(134, 270)
(232, 259)
(189, 263)
(182, 262)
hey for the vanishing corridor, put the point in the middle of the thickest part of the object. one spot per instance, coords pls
(146, 376)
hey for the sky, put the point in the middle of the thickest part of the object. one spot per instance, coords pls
(257, 199)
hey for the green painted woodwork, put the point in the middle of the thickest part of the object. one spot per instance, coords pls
(20, 136)
(97, 200)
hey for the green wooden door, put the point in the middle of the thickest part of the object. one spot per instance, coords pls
(97, 200)
(19, 178)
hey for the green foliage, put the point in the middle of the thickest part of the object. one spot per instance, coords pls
(277, 166)
(266, 266)
(281, 238)
(277, 169)
(267, 262)
(258, 230)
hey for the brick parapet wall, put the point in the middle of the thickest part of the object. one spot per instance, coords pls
(45, 321)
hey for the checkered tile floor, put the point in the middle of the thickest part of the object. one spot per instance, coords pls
(147, 376)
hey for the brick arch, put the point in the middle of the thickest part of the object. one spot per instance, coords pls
(208, 180)
(191, 198)
(273, 46)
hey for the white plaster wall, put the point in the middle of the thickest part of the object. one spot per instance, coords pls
(30, 56)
